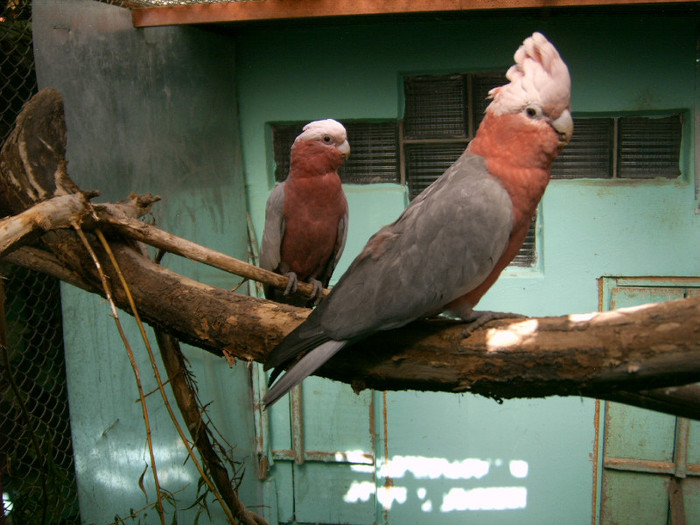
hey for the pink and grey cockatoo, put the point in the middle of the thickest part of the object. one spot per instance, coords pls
(307, 215)
(454, 239)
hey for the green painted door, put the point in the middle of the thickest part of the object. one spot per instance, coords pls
(650, 462)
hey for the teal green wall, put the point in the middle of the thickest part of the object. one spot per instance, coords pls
(619, 61)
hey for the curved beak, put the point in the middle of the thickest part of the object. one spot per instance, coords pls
(345, 149)
(564, 126)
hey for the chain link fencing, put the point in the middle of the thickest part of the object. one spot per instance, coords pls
(36, 456)
(37, 476)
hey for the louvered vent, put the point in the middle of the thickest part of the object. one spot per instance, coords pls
(649, 147)
(426, 162)
(590, 152)
(482, 83)
(373, 151)
(527, 256)
(283, 136)
(436, 107)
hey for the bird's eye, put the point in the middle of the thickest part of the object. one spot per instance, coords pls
(327, 139)
(533, 111)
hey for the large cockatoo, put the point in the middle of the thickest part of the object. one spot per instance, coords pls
(454, 239)
(307, 215)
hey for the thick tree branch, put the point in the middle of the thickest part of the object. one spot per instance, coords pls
(599, 355)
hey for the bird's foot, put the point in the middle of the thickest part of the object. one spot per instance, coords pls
(292, 284)
(317, 294)
(479, 318)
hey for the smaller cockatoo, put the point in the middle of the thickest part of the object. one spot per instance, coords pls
(306, 218)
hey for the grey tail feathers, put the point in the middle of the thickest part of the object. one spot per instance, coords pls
(302, 369)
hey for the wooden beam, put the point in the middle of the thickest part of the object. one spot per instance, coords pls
(250, 10)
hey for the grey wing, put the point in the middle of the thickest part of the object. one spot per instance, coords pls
(342, 237)
(273, 233)
(327, 272)
(444, 244)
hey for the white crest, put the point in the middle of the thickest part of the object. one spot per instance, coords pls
(539, 76)
(317, 129)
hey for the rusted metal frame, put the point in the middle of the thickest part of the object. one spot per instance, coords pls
(297, 421)
(260, 420)
(389, 482)
(680, 456)
(378, 432)
(676, 502)
(668, 468)
(640, 465)
(651, 280)
(294, 9)
(598, 445)
(678, 468)
(320, 456)
(300, 456)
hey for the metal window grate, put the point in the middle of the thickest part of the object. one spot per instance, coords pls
(482, 83)
(283, 136)
(426, 162)
(590, 152)
(374, 151)
(622, 147)
(436, 107)
(527, 256)
(649, 147)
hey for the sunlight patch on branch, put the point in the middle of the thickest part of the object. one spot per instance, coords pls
(514, 334)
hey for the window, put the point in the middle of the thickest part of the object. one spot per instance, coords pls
(649, 147)
(590, 152)
(622, 147)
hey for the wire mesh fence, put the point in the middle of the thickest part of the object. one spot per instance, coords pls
(17, 74)
(37, 478)
(36, 461)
